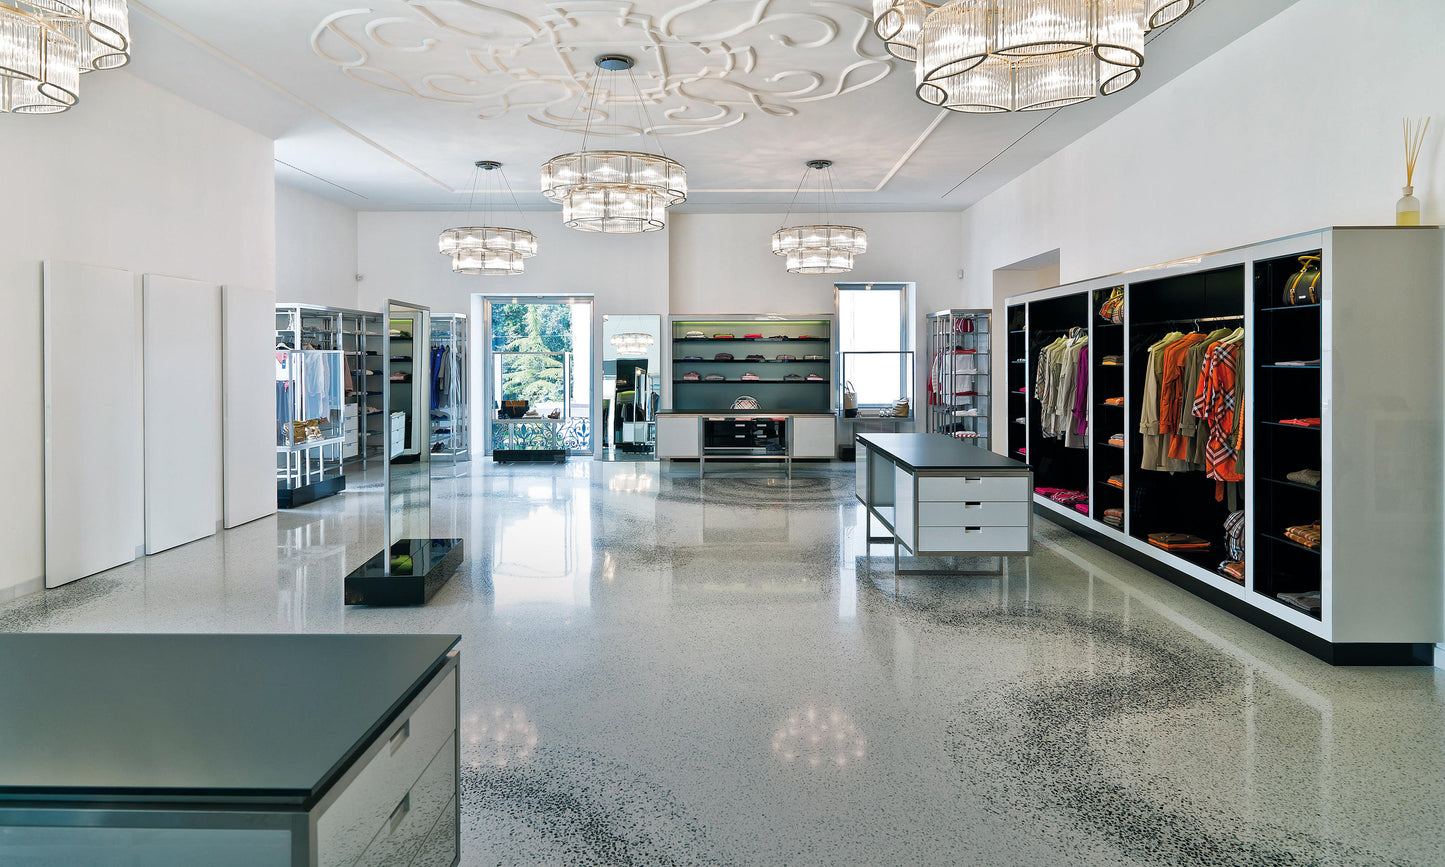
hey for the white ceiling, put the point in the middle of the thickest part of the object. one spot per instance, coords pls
(386, 107)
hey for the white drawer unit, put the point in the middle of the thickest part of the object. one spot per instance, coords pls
(953, 488)
(411, 743)
(940, 497)
(980, 514)
(969, 540)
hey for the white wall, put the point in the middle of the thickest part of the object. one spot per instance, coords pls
(724, 263)
(1293, 127)
(133, 178)
(398, 258)
(315, 249)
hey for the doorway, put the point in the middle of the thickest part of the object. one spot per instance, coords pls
(536, 373)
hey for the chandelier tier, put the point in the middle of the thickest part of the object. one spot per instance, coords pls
(821, 248)
(488, 251)
(632, 344)
(46, 45)
(1021, 55)
(614, 191)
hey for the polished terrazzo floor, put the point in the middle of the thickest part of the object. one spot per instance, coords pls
(662, 670)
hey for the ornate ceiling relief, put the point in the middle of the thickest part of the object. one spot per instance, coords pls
(701, 66)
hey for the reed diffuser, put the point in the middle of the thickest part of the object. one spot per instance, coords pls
(1407, 210)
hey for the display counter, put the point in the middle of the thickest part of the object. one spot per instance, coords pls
(228, 749)
(940, 497)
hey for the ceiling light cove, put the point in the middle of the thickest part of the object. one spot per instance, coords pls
(701, 66)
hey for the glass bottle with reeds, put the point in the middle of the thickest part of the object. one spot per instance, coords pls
(1407, 210)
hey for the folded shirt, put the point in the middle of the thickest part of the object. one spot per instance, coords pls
(714, 377)
(691, 376)
(1082, 508)
(750, 377)
(1308, 535)
(1114, 401)
(1306, 363)
(1310, 601)
(1301, 422)
(1112, 360)
(693, 335)
(722, 337)
(1305, 477)
(813, 377)
(756, 358)
(1178, 542)
(793, 377)
(784, 358)
(1115, 482)
(1233, 570)
(723, 356)
(1117, 440)
(753, 336)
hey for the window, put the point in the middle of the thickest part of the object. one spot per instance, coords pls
(872, 319)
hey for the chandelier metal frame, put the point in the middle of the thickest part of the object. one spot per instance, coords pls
(47, 45)
(614, 191)
(984, 56)
(487, 250)
(820, 248)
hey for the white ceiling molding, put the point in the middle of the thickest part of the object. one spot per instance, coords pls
(701, 68)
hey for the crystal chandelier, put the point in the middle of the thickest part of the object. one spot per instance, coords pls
(1021, 55)
(614, 191)
(489, 251)
(821, 248)
(632, 344)
(46, 45)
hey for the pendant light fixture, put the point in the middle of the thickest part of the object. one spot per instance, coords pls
(1021, 55)
(488, 251)
(46, 45)
(822, 248)
(614, 191)
(632, 344)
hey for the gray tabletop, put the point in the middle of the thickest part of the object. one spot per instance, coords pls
(933, 451)
(198, 717)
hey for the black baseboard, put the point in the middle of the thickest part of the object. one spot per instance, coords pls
(532, 456)
(419, 569)
(290, 498)
(1334, 654)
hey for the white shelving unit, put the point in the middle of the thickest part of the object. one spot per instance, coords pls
(1378, 445)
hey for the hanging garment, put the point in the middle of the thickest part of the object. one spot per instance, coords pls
(1214, 403)
(1152, 456)
(1081, 396)
(1188, 443)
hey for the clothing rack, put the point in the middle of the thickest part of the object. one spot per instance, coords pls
(1195, 319)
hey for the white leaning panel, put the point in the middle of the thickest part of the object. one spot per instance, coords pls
(248, 415)
(94, 477)
(182, 410)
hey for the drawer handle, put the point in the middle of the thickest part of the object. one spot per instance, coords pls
(969, 481)
(973, 529)
(400, 737)
(398, 814)
(973, 505)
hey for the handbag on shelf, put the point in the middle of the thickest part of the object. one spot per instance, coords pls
(850, 400)
(306, 431)
(900, 408)
(1304, 287)
(963, 325)
(1113, 309)
(746, 401)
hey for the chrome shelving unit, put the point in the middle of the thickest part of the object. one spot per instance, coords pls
(960, 375)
